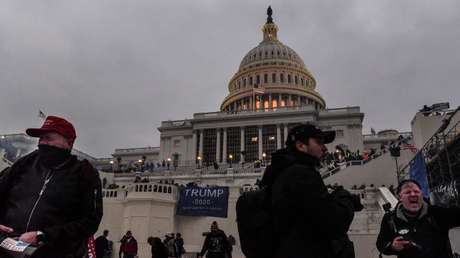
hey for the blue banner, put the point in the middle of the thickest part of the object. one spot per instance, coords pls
(203, 201)
(418, 173)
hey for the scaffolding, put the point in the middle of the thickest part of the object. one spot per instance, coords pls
(442, 158)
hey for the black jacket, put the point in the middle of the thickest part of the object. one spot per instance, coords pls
(306, 217)
(215, 244)
(430, 231)
(68, 211)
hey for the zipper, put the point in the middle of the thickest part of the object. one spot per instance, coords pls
(47, 180)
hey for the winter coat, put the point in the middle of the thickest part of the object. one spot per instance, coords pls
(306, 217)
(68, 210)
(429, 231)
(129, 246)
(179, 247)
(215, 244)
(102, 246)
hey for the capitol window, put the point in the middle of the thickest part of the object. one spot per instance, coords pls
(339, 133)
(176, 143)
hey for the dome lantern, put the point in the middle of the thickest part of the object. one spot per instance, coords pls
(270, 29)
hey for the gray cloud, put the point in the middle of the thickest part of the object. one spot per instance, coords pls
(118, 68)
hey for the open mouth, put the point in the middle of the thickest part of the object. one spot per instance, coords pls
(414, 201)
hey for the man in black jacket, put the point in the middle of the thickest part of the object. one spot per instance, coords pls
(416, 229)
(102, 244)
(49, 198)
(308, 221)
(216, 244)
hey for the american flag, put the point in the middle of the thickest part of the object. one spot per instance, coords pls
(411, 147)
(258, 89)
(91, 248)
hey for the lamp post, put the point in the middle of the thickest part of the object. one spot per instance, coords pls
(395, 152)
(111, 165)
(168, 163)
(198, 165)
(264, 155)
(141, 165)
(231, 159)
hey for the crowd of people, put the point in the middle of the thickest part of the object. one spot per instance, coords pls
(216, 244)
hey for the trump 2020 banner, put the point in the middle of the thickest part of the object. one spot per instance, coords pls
(203, 201)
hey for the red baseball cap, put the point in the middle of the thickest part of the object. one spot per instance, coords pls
(54, 124)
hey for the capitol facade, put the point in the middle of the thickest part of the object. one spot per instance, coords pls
(271, 92)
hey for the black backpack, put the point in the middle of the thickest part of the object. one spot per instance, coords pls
(255, 224)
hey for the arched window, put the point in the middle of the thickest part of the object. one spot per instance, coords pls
(282, 77)
(258, 79)
(273, 77)
(301, 81)
(250, 80)
(265, 78)
(296, 80)
(289, 78)
(244, 82)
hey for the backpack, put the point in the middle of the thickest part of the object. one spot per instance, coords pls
(255, 224)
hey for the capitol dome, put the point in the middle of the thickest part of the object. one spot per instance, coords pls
(271, 76)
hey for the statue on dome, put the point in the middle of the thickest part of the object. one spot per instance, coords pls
(269, 13)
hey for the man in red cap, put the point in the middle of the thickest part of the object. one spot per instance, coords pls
(49, 198)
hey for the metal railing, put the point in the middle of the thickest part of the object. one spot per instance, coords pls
(121, 193)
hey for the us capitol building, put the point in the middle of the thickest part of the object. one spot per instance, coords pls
(271, 92)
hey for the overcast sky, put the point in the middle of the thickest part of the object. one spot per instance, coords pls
(118, 68)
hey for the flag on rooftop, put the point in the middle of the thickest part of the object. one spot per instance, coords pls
(41, 114)
(258, 89)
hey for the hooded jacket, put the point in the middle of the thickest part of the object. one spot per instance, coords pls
(307, 219)
(67, 209)
(429, 231)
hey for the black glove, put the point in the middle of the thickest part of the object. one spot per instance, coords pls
(355, 200)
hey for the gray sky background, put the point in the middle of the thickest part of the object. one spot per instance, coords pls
(117, 68)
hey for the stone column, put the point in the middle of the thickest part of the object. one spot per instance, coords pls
(251, 105)
(289, 100)
(280, 98)
(218, 145)
(242, 144)
(278, 137)
(224, 147)
(270, 104)
(200, 149)
(259, 140)
(285, 132)
(194, 143)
